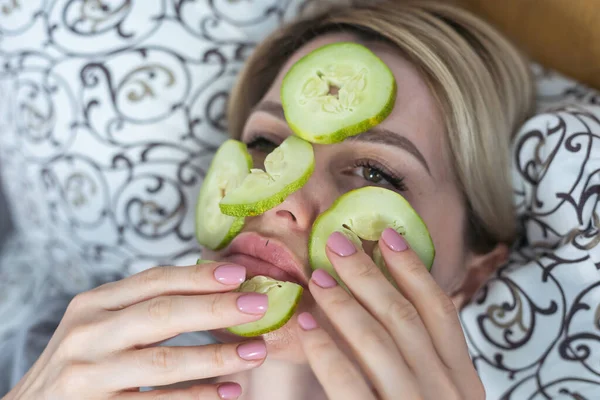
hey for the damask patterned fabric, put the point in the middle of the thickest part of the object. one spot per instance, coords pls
(534, 330)
(110, 112)
(5, 221)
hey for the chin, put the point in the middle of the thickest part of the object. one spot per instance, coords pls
(282, 344)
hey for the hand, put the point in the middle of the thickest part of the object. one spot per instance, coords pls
(104, 347)
(408, 344)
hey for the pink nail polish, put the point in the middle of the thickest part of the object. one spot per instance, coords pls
(252, 351)
(340, 245)
(230, 274)
(253, 303)
(394, 240)
(323, 279)
(228, 391)
(307, 321)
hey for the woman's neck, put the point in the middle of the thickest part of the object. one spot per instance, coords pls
(278, 380)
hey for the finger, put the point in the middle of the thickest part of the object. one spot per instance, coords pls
(400, 318)
(373, 347)
(436, 309)
(338, 376)
(162, 281)
(163, 317)
(160, 366)
(222, 391)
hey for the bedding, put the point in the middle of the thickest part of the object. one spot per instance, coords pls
(5, 221)
(101, 176)
(534, 329)
(110, 113)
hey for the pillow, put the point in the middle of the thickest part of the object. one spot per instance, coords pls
(534, 329)
(561, 34)
(110, 113)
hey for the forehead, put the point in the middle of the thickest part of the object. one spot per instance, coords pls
(416, 114)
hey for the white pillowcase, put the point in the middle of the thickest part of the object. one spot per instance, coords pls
(102, 176)
(534, 329)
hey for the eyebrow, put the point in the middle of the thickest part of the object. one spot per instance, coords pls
(374, 135)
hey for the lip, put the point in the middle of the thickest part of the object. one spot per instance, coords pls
(265, 256)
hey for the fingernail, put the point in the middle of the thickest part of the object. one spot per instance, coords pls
(340, 245)
(394, 240)
(307, 321)
(323, 279)
(230, 274)
(229, 391)
(253, 303)
(252, 351)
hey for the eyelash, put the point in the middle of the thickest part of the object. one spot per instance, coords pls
(256, 140)
(396, 181)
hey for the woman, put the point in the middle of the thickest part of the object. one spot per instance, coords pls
(463, 90)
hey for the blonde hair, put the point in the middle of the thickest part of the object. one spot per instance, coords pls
(480, 80)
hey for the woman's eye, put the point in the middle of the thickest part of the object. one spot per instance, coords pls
(372, 174)
(377, 176)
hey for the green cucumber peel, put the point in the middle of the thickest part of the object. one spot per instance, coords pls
(283, 300)
(229, 167)
(364, 214)
(287, 169)
(337, 91)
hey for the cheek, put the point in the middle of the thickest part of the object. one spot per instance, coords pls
(449, 270)
(446, 226)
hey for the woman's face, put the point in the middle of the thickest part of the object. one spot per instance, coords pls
(406, 153)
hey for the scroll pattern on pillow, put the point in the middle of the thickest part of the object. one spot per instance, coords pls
(534, 329)
(76, 72)
(110, 112)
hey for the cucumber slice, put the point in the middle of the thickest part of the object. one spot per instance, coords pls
(283, 300)
(365, 86)
(229, 167)
(201, 261)
(364, 214)
(287, 169)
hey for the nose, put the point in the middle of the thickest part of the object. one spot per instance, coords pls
(287, 214)
(300, 209)
(297, 212)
